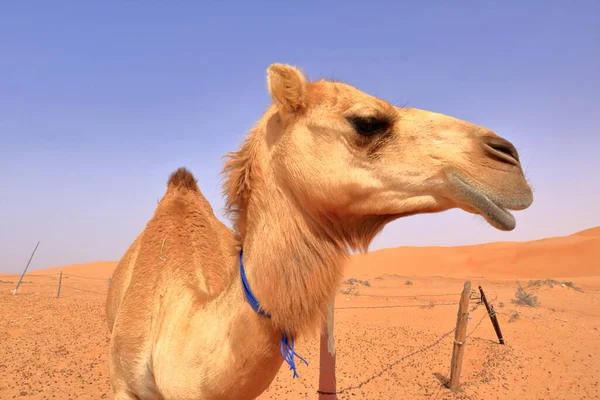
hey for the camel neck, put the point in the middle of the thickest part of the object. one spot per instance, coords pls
(292, 270)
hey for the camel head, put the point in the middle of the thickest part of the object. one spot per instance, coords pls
(354, 162)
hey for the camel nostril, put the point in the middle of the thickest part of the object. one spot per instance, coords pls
(505, 150)
(501, 150)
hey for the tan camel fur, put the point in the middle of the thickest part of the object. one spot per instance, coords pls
(322, 172)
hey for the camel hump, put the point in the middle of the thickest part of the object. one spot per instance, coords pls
(183, 178)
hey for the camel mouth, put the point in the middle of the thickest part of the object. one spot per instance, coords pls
(494, 213)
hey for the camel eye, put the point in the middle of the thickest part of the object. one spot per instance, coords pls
(369, 126)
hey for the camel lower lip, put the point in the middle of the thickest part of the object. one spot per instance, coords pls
(497, 216)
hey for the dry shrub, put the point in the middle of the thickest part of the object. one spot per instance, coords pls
(524, 298)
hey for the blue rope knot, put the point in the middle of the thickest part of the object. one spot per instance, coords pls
(287, 342)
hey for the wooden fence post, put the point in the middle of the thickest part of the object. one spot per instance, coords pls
(59, 284)
(460, 336)
(27, 266)
(492, 313)
(327, 384)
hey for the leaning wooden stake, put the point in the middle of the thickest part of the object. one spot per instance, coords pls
(59, 284)
(327, 387)
(460, 336)
(27, 266)
(492, 314)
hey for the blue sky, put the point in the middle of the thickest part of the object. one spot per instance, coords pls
(100, 101)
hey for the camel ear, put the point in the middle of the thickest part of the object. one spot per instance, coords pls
(287, 86)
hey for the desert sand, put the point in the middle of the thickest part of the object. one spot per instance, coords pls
(394, 334)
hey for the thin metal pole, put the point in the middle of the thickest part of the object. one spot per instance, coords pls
(27, 266)
(59, 283)
(492, 314)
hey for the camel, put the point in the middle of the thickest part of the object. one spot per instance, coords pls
(197, 310)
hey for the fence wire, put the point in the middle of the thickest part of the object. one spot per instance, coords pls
(29, 284)
(423, 305)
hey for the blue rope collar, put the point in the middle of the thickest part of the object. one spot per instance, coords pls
(287, 342)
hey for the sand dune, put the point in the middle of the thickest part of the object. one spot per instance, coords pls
(393, 339)
(96, 269)
(576, 255)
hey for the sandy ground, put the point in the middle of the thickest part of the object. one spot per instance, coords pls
(393, 339)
